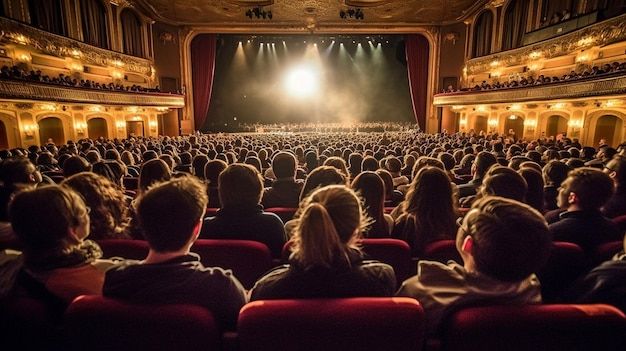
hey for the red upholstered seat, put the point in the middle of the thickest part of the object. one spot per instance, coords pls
(28, 323)
(210, 212)
(567, 262)
(285, 213)
(442, 251)
(606, 251)
(620, 222)
(332, 324)
(99, 323)
(126, 248)
(535, 327)
(248, 260)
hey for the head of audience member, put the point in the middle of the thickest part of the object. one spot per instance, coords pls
(153, 171)
(430, 200)
(331, 221)
(585, 189)
(127, 158)
(426, 161)
(284, 165)
(504, 182)
(534, 193)
(393, 165)
(338, 163)
(555, 172)
(171, 213)
(484, 160)
(616, 169)
(75, 164)
(371, 188)
(197, 165)
(320, 177)
(369, 164)
(388, 181)
(109, 216)
(254, 162)
(240, 186)
(503, 239)
(311, 160)
(51, 223)
(354, 161)
(212, 171)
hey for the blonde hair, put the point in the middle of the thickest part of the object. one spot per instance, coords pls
(330, 223)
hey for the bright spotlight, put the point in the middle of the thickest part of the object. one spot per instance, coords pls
(301, 81)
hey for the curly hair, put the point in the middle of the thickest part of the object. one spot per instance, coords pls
(109, 212)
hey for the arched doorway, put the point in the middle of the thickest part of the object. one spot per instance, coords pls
(51, 128)
(481, 124)
(609, 128)
(97, 127)
(134, 128)
(4, 138)
(515, 123)
(556, 125)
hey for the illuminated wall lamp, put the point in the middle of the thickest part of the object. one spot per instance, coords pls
(117, 75)
(76, 67)
(530, 124)
(80, 127)
(120, 125)
(24, 58)
(558, 106)
(575, 123)
(29, 130)
(493, 123)
(153, 125)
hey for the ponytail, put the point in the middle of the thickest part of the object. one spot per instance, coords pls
(317, 242)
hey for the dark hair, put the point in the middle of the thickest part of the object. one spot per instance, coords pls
(212, 171)
(198, 164)
(284, 165)
(618, 165)
(534, 193)
(371, 188)
(510, 239)
(240, 185)
(109, 212)
(592, 187)
(505, 182)
(484, 160)
(555, 172)
(170, 211)
(74, 165)
(369, 164)
(153, 171)
(322, 176)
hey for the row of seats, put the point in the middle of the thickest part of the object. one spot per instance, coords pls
(342, 324)
(566, 263)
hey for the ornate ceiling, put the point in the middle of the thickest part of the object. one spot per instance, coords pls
(309, 14)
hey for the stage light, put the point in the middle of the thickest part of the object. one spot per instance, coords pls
(301, 81)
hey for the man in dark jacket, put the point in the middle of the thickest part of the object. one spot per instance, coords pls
(285, 190)
(484, 160)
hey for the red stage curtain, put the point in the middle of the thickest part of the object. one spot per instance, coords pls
(417, 51)
(203, 50)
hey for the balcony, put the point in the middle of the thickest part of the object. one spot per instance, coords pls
(581, 88)
(24, 91)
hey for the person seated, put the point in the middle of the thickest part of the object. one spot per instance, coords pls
(285, 190)
(326, 261)
(582, 195)
(503, 242)
(604, 284)
(483, 161)
(429, 212)
(109, 216)
(171, 216)
(212, 171)
(371, 188)
(52, 223)
(500, 181)
(241, 216)
(152, 172)
(616, 169)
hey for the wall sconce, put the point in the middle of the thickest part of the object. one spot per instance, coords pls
(481, 108)
(612, 103)
(76, 67)
(586, 41)
(583, 58)
(29, 129)
(534, 67)
(530, 124)
(495, 63)
(24, 58)
(493, 124)
(153, 125)
(117, 63)
(80, 127)
(117, 75)
(515, 107)
(75, 53)
(558, 106)
(575, 123)
(496, 74)
(535, 55)
(121, 125)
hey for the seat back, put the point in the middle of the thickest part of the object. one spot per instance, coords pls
(605, 252)
(131, 183)
(332, 324)
(393, 252)
(620, 222)
(30, 323)
(248, 260)
(566, 263)
(99, 323)
(442, 251)
(285, 213)
(535, 327)
(126, 248)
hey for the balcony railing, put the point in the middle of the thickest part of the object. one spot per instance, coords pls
(567, 90)
(30, 91)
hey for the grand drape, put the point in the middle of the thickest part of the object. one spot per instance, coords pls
(94, 23)
(514, 24)
(203, 52)
(417, 57)
(483, 29)
(132, 36)
(48, 15)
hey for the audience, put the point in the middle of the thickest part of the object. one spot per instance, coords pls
(371, 188)
(241, 215)
(616, 169)
(326, 261)
(503, 243)
(285, 189)
(171, 216)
